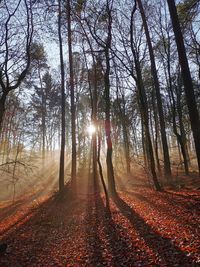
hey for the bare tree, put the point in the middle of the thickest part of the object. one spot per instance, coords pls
(187, 80)
(73, 106)
(62, 73)
(167, 167)
(15, 58)
(143, 105)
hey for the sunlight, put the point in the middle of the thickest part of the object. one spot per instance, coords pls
(91, 129)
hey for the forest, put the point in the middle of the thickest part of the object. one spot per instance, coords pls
(99, 133)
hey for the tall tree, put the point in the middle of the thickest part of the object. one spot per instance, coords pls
(187, 79)
(143, 105)
(15, 56)
(37, 67)
(167, 167)
(62, 73)
(104, 49)
(72, 97)
(110, 170)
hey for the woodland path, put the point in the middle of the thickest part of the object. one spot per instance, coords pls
(143, 228)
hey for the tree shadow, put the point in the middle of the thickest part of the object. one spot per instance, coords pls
(188, 203)
(94, 243)
(10, 209)
(30, 238)
(24, 201)
(177, 200)
(193, 197)
(121, 247)
(105, 244)
(108, 242)
(164, 247)
(52, 228)
(167, 208)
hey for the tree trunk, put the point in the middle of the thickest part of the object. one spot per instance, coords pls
(43, 98)
(62, 72)
(167, 166)
(101, 170)
(73, 107)
(182, 128)
(143, 108)
(2, 109)
(144, 115)
(126, 141)
(110, 170)
(179, 136)
(144, 149)
(187, 79)
(94, 122)
(127, 149)
(93, 97)
(156, 133)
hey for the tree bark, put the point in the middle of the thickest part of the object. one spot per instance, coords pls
(2, 109)
(145, 121)
(155, 117)
(143, 107)
(72, 97)
(62, 72)
(178, 136)
(167, 166)
(187, 79)
(110, 170)
(5, 83)
(101, 170)
(181, 124)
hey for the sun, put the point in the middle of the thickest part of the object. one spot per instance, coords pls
(91, 129)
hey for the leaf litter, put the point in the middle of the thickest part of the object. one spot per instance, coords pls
(142, 228)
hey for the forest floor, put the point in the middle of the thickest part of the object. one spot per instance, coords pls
(142, 228)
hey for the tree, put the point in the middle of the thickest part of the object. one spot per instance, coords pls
(104, 48)
(187, 80)
(110, 170)
(167, 167)
(143, 105)
(62, 73)
(37, 68)
(15, 57)
(73, 106)
(120, 113)
(167, 55)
